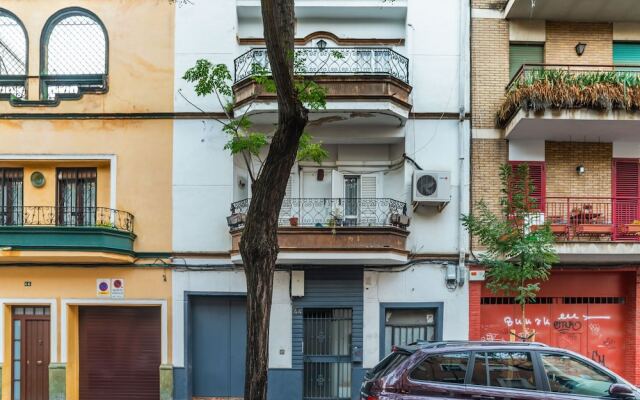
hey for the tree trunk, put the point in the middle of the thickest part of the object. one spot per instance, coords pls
(259, 242)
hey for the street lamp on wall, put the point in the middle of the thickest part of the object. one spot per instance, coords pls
(580, 170)
(580, 48)
(321, 44)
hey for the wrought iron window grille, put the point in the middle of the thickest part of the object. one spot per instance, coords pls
(13, 56)
(316, 61)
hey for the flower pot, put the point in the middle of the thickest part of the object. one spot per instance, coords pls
(236, 219)
(293, 221)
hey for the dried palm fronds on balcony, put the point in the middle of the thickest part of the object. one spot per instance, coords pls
(543, 87)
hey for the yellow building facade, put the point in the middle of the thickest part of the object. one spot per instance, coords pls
(86, 96)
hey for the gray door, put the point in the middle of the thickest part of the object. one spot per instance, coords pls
(218, 341)
(327, 353)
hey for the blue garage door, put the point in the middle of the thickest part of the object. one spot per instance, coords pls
(218, 341)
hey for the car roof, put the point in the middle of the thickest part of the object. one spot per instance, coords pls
(466, 345)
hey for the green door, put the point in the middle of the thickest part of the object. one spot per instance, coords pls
(520, 54)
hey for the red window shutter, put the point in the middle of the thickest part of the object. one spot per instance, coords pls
(538, 177)
(626, 188)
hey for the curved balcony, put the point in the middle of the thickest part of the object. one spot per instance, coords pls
(84, 234)
(334, 231)
(357, 79)
(574, 10)
(553, 102)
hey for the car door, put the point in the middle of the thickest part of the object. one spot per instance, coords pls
(505, 375)
(567, 377)
(438, 376)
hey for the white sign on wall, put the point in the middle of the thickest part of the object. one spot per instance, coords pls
(117, 288)
(103, 287)
(113, 288)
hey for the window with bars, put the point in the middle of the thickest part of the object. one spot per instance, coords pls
(13, 56)
(76, 196)
(11, 182)
(406, 326)
(74, 58)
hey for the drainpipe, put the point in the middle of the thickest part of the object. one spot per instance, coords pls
(463, 185)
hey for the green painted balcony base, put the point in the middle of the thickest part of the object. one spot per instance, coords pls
(57, 381)
(62, 243)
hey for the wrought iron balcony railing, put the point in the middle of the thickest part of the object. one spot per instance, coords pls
(601, 218)
(331, 61)
(331, 212)
(66, 216)
(13, 85)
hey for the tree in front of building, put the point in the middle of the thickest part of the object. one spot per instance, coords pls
(269, 175)
(517, 248)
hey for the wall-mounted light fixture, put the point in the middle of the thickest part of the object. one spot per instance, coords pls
(580, 169)
(580, 48)
(321, 44)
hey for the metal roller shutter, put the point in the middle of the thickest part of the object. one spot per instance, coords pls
(520, 54)
(119, 353)
(626, 53)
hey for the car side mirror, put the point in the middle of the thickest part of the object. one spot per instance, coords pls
(621, 391)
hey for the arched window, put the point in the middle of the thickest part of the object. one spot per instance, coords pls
(13, 56)
(74, 60)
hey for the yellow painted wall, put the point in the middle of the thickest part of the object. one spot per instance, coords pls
(46, 195)
(144, 165)
(76, 283)
(140, 53)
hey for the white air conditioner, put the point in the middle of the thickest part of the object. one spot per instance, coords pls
(431, 188)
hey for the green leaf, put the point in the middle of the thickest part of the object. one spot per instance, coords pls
(209, 78)
(309, 151)
(252, 143)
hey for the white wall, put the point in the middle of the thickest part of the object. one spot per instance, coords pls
(421, 283)
(233, 281)
(526, 150)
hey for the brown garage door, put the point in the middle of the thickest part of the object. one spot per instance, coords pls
(119, 353)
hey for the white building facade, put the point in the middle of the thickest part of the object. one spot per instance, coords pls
(365, 263)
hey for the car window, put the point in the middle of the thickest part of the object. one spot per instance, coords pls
(445, 368)
(387, 364)
(568, 374)
(508, 369)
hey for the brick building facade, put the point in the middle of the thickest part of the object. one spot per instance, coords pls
(589, 156)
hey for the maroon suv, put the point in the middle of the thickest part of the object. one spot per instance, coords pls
(491, 371)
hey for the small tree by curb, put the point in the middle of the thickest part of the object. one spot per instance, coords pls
(518, 252)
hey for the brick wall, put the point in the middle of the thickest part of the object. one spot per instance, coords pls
(491, 4)
(562, 38)
(562, 158)
(490, 72)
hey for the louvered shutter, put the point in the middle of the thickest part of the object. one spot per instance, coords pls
(368, 199)
(520, 54)
(626, 53)
(538, 178)
(626, 189)
(286, 211)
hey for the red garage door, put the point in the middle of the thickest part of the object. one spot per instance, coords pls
(592, 324)
(119, 353)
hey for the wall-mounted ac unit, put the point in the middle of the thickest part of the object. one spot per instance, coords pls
(431, 188)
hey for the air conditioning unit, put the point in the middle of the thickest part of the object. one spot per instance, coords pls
(431, 188)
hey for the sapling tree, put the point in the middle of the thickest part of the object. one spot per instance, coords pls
(518, 250)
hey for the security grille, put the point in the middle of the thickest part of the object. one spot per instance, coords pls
(13, 56)
(76, 57)
(77, 196)
(327, 354)
(11, 196)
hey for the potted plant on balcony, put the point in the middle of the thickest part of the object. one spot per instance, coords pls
(293, 221)
(335, 218)
(236, 219)
(400, 220)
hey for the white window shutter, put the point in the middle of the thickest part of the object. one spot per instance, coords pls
(287, 210)
(337, 184)
(369, 192)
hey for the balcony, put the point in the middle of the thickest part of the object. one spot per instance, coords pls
(334, 231)
(575, 10)
(361, 80)
(334, 9)
(555, 102)
(62, 234)
(600, 226)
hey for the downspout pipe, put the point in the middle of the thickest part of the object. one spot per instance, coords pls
(463, 140)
